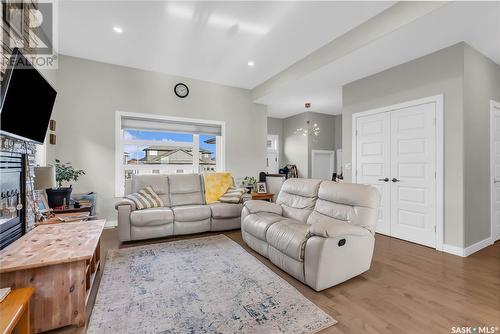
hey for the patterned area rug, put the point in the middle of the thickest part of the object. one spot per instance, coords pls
(204, 285)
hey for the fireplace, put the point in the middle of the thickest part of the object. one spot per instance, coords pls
(13, 197)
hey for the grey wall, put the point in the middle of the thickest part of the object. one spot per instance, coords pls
(326, 138)
(295, 146)
(481, 84)
(338, 131)
(297, 149)
(91, 92)
(438, 73)
(275, 127)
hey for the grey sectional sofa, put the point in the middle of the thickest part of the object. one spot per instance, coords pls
(320, 232)
(185, 210)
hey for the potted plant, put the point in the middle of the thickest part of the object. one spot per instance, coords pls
(249, 183)
(64, 173)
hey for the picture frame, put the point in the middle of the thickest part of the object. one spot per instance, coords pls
(261, 188)
(42, 205)
(13, 12)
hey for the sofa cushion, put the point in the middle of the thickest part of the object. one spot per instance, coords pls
(257, 224)
(298, 197)
(159, 183)
(225, 210)
(191, 213)
(145, 198)
(354, 203)
(185, 189)
(256, 206)
(233, 195)
(289, 237)
(152, 217)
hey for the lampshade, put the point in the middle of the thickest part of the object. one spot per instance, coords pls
(45, 177)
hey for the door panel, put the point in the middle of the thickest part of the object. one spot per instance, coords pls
(496, 192)
(272, 163)
(413, 178)
(323, 164)
(373, 161)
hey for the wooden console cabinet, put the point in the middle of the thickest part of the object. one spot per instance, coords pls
(60, 262)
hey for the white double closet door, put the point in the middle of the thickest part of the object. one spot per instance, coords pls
(396, 152)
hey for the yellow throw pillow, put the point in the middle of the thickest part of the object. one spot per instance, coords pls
(216, 185)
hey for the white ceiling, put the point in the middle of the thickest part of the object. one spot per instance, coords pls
(477, 23)
(214, 41)
(211, 41)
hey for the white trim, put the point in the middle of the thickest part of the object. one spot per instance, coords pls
(455, 250)
(119, 142)
(332, 160)
(196, 153)
(111, 223)
(493, 105)
(276, 139)
(477, 246)
(119, 183)
(464, 252)
(438, 100)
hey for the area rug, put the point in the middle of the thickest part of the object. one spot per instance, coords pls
(203, 285)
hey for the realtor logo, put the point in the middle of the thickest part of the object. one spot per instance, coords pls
(29, 27)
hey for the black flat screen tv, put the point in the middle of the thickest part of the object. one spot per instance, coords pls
(26, 101)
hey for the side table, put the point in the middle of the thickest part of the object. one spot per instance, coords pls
(266, 197)
(15, 312)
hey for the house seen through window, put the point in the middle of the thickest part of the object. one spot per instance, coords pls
(164, 150)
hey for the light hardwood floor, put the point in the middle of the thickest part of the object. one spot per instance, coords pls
(409, 289)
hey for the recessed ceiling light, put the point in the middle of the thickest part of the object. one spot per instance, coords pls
(251, 63)
(118, 30)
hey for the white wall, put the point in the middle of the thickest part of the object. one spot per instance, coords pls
(90, 92)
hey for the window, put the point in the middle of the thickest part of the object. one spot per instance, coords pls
(148, 144)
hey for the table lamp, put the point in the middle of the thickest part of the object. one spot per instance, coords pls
(45, 177)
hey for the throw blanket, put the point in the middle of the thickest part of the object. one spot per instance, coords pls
(216, 185)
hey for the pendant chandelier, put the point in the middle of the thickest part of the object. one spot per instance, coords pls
(308, 130)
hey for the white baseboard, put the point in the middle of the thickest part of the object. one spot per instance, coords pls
(455, 250)
(464, 252)
(111, 224)
(477, 246)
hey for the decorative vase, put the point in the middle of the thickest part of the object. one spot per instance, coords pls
(56, 196)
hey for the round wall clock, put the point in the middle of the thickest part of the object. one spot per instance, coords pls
(181, 90)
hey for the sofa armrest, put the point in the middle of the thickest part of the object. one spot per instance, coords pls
(125, 201)
(124, 226)
(255, 206)
(336, 229)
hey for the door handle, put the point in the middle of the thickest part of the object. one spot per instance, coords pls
(384, 179)
(395, 180)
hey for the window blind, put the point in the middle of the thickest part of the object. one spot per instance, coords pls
(131, 123)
